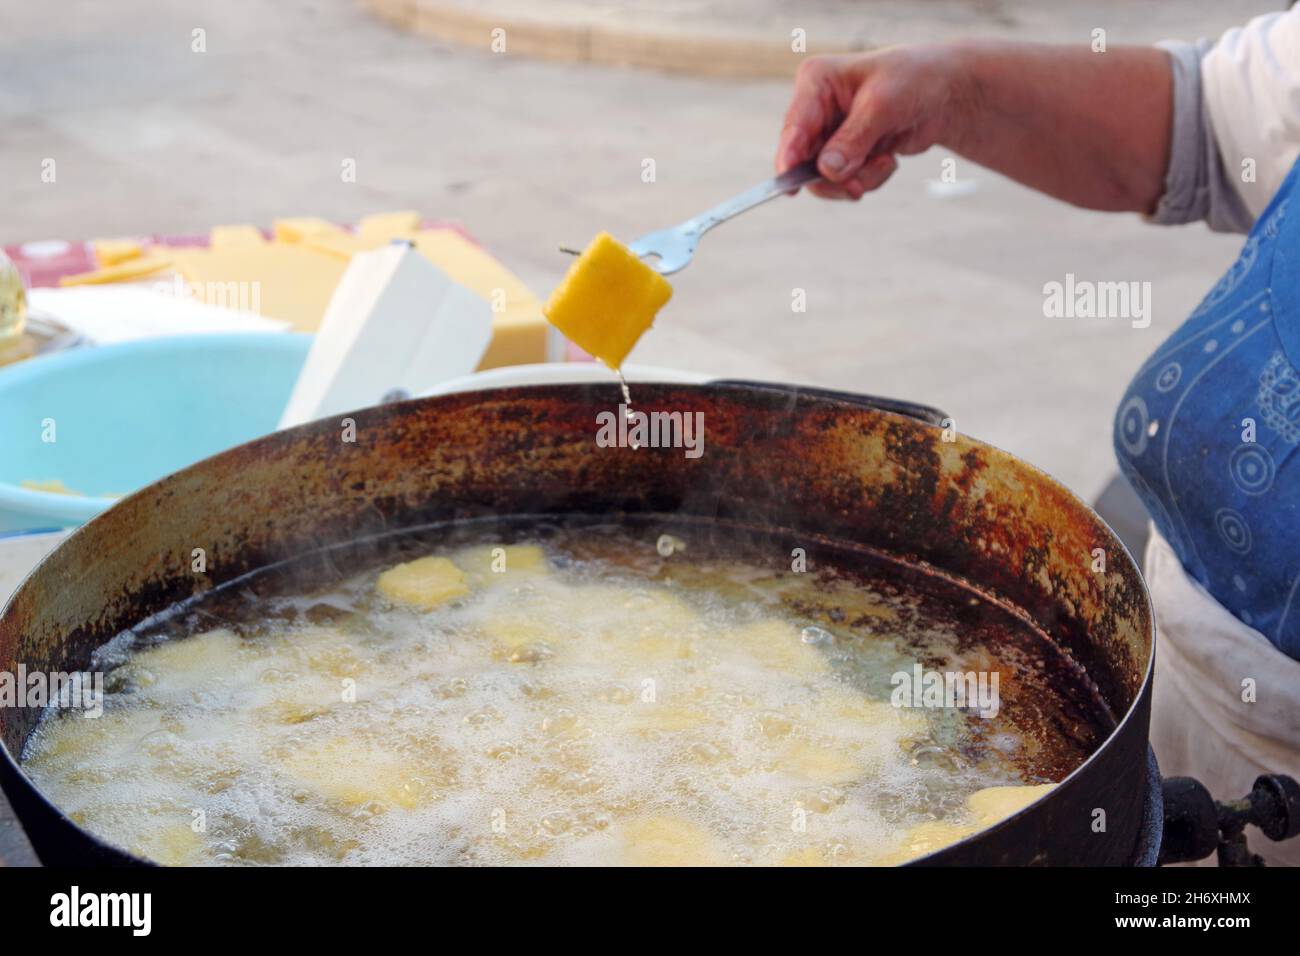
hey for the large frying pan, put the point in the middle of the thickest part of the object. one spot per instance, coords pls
(822, 465)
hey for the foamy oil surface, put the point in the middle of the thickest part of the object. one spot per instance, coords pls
(609, 694)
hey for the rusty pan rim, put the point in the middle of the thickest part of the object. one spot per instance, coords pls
(1139, 698)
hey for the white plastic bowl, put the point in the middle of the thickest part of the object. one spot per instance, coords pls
(561, 373)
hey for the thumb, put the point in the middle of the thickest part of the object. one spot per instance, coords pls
(854, 140)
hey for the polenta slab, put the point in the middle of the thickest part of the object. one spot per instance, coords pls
(423, 583)
(608, 300)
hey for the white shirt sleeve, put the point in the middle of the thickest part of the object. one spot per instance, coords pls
(1251, 84)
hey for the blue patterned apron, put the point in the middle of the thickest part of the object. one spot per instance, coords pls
(1208, 430)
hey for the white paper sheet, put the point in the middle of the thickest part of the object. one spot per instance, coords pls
(120, 313)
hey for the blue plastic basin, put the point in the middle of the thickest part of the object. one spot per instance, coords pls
(121, 416)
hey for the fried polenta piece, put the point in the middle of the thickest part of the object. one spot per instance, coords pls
(670, 841)
(423, 583)
(608, 300)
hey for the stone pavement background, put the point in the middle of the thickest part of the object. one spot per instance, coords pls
(752, 37)
(931, 299)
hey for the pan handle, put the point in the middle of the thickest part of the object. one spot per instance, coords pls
(922, 413)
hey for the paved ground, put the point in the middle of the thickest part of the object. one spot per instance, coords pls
(857, 23)
(938, 300)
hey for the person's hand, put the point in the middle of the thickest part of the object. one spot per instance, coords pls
(856, 113)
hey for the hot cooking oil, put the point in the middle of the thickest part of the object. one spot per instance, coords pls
(566, 693)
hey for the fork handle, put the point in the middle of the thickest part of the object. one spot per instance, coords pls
(791, 179)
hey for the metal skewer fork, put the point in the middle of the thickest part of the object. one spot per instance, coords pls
(674, 247)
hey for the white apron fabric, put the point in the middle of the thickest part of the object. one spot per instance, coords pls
(1200, 726)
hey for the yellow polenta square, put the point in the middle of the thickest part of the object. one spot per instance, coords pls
(608, 300)
(424, 583)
